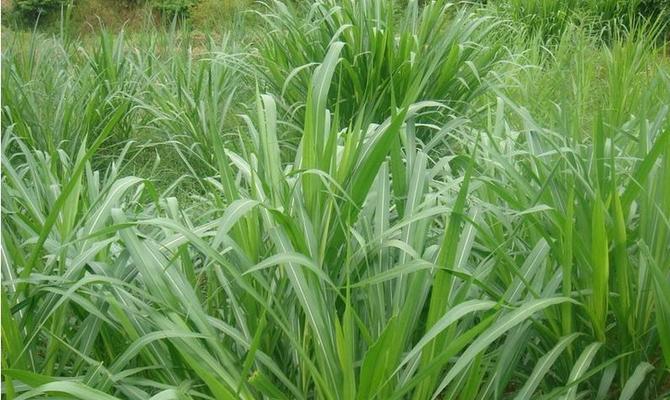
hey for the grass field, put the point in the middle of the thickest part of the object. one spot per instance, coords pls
(342, 200)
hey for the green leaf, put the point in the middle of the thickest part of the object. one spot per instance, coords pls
(507, 322)
(635, 380)
(543, 366)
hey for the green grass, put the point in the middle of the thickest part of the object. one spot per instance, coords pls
(362, 200)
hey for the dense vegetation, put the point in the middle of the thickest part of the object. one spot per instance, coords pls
(349, 200)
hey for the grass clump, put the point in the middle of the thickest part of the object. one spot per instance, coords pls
(549, 19)
(399, 203)
(390, 58)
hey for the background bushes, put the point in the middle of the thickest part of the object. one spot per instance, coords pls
(209, 15)
(33, 7)
(173, 7)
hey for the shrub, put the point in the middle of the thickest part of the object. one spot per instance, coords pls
(173, 8)
(32, 7)
(26, 13)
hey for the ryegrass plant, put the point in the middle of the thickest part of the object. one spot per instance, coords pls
(517, 246)
(391, 58)
(187, 100)
(56, 96)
